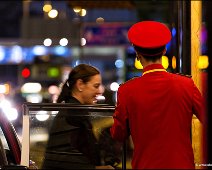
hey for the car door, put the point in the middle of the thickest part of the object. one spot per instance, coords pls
(10, 145)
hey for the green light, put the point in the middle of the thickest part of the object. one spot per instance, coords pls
(53, 72)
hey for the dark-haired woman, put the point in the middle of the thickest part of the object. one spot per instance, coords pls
(72, 144)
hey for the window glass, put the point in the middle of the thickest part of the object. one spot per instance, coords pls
(75, 138)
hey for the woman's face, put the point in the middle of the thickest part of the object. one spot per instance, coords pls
(91, 89)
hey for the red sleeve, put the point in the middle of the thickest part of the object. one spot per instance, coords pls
(198, 105)
(120, 130)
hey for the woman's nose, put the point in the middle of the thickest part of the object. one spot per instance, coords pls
(101, 90)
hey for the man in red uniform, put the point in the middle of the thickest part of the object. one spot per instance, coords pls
(156, 109)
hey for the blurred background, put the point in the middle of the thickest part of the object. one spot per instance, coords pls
(41, 41)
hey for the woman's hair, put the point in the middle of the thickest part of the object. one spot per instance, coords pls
(81, 71)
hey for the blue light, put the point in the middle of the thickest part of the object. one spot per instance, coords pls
(174, 31)
(168, 46)
(119, 63)
(16, 54)
(2, 53)
(60, 50)
(130, 50)
(39, 50)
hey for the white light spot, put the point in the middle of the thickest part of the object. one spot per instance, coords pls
(53, 13)
(114, 86)
(63, 42)
(47, 42)
(83, 41)
(42, 116)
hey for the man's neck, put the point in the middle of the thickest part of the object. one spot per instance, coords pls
(147, 63)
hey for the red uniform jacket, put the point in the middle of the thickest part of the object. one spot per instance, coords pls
(156, 110)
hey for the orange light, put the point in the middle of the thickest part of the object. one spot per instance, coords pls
(174, 62)
(4, 88)
(7, 87)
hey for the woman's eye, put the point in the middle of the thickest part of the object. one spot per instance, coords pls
(96, 86)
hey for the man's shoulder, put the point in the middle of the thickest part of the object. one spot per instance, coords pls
(182, 78)
(183, 75)
(128, 82)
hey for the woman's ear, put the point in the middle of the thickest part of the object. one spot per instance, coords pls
(79, 85)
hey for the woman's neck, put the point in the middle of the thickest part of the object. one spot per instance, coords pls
(78, 97)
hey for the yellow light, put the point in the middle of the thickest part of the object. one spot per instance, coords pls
(138, 64)
(174, 62)
(203, 62)
(47, 8)
(77, 9)
(83, 12)
(165, 62)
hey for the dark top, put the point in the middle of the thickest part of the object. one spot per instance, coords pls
(72, 144)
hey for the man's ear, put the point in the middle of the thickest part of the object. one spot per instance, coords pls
(164, 51)
(137, 56)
